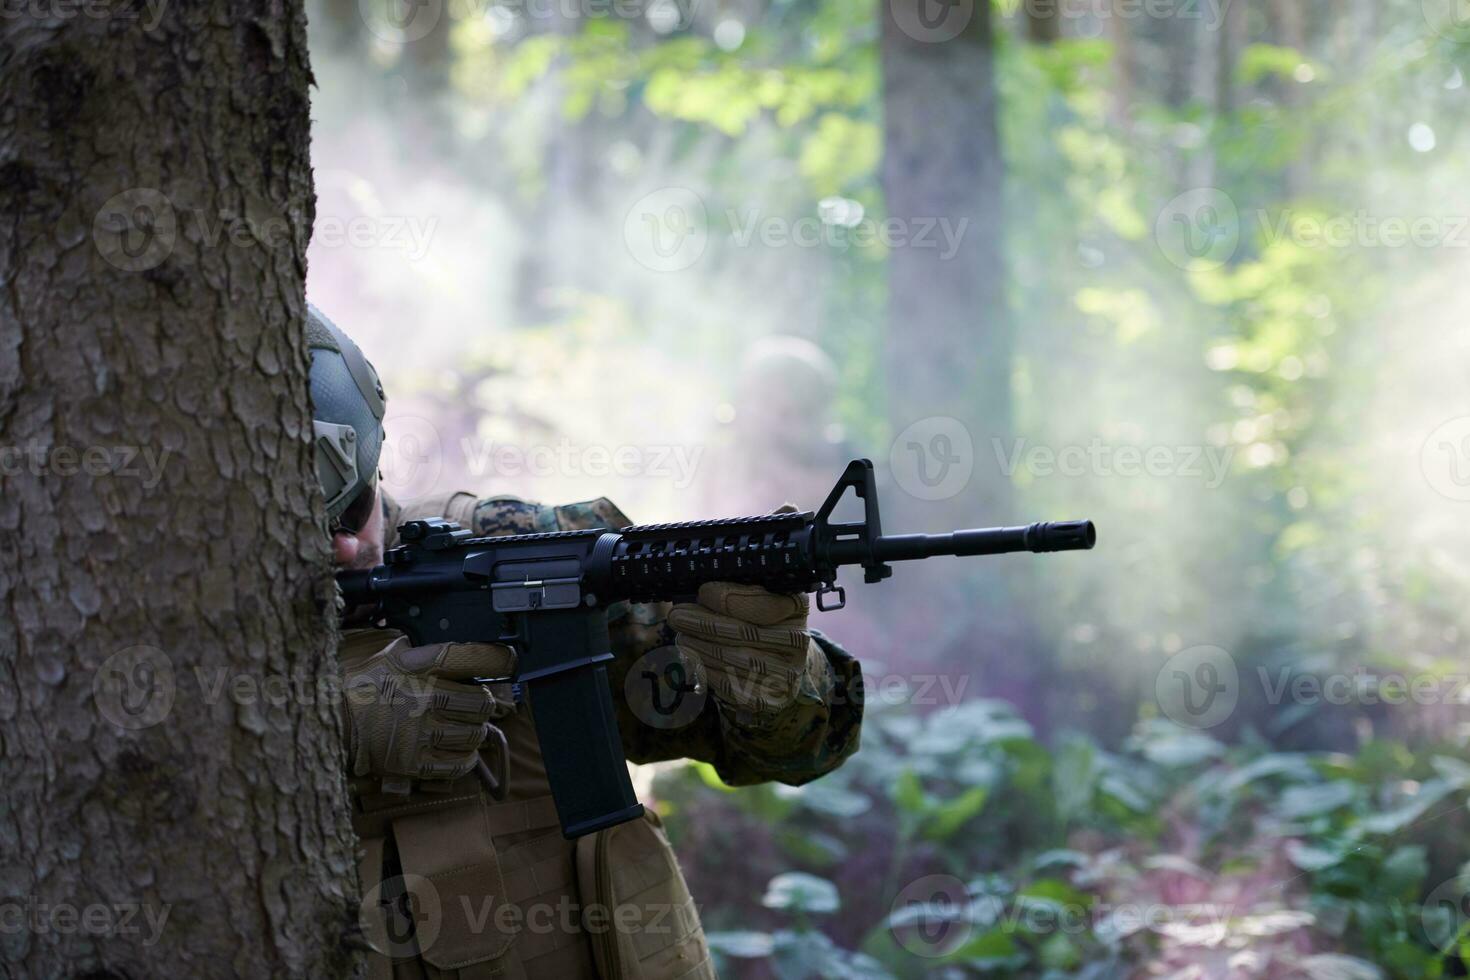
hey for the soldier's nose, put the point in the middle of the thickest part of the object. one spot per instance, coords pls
(345, 547)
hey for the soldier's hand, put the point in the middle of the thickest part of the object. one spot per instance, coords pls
(752, 647)
(412, 713)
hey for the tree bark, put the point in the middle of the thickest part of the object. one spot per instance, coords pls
(949, 342)
(171, 754)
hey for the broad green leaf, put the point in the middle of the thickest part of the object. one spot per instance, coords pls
(1394, 820)
(1311, 857)
(742, 945)
(799, 891)
(1311, 801)
(1334, 966)
(953, 814)
(908, 793)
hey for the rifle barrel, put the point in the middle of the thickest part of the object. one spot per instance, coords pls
(1039, 538)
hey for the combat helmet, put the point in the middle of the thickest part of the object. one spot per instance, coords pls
(347, 404)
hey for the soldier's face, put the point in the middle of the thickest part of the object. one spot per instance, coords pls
(363, 548)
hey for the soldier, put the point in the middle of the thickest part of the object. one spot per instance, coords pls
(495, 890)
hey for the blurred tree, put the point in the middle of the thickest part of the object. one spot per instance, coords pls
(949, 343)
(165, 538)
(1043, 21)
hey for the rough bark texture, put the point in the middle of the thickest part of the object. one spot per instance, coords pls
(168, 805)
(949, 341)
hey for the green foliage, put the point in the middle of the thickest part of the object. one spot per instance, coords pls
(1077, 862)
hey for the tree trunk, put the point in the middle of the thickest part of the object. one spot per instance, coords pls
(1289, 29)
(173, 801)
(1124, 70)
(1043, 22)
(1233, 37)
(949, 343)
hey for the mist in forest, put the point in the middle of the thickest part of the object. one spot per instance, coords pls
(1250, 373)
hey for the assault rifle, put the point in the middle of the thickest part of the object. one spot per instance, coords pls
(546, 595)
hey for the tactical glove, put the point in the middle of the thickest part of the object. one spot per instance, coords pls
(410, 713)
(753, 649)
